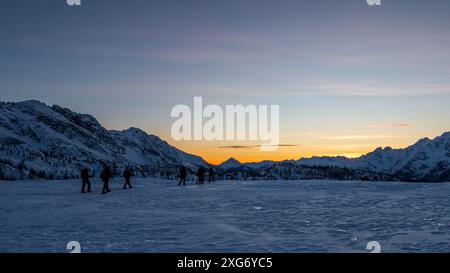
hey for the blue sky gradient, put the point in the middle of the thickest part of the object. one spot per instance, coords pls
(348, 77)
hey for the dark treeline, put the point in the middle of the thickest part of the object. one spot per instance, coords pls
(280, 171)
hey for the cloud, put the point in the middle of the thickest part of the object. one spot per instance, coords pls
(201, 55)
(255, 146)
(391, 125)
(359, 137)
(381, 90)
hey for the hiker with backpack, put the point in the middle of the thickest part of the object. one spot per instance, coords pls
(127, 174)
(106, 176)
(211, 174)
(201, 175)
(183, 175)
(85, 179)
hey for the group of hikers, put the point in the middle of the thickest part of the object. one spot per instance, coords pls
(200, 175)
(106, 175)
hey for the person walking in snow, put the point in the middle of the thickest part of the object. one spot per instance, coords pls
(106, 176)
(85, 179)
(183, 175)
(127, 174)
(201, 175)
(211, 175)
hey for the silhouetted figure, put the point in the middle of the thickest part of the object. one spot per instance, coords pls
(183, 175)
(105, 176)
(127, 174)
(211, 175)
(85, 179)
(201, 175)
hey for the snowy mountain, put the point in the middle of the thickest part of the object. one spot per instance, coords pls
(41, 141)
(37, 140)
(230, 164)
(427, 161)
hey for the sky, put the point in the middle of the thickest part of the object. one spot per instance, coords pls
(348, 77)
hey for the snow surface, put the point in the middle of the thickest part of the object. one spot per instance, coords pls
(227, 216)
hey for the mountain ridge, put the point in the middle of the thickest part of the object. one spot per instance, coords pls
(55, 142)
(428, 160)
(37, 140)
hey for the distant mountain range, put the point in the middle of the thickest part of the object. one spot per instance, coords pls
(51, 142)
(426, 161)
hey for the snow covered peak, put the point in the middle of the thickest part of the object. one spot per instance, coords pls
(444, 138)
(32, 107)
(85, 121)
(31, 104)
(133, 134)
(135, 131)
(423, 141)
(230, 163)
(446, 135)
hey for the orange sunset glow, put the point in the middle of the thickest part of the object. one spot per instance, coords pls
(351, 146)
